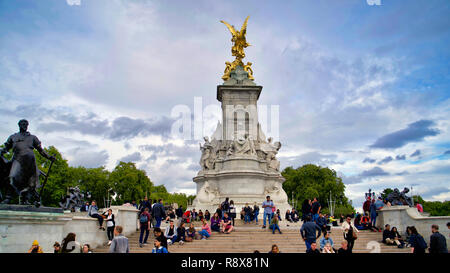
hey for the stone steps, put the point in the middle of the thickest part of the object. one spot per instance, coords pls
(247, 240)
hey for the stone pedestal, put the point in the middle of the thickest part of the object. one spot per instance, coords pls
(238, 162)
(18, 229)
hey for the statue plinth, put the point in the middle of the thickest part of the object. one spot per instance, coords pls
(239, 162)
(30, 208)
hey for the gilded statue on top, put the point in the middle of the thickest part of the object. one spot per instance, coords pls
(239, 43)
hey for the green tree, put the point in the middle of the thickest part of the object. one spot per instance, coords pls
(309, 181)
(129, 183)
(386, 192)
(57, 181)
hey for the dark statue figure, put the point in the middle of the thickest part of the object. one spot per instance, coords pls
(74, 199)
(397, 198)
(22, 172)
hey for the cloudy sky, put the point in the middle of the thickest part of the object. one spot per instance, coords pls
(363, 89)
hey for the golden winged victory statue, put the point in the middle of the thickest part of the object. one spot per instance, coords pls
(239, 43)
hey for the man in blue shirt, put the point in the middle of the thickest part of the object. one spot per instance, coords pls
(267, 206)
(308, 232)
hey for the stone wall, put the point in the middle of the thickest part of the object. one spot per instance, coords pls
(403, 216)
(18, 230)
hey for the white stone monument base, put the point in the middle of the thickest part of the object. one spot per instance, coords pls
(243, 187)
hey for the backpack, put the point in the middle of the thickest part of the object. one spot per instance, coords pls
(225, 206)
(421, 242)
(143, 219)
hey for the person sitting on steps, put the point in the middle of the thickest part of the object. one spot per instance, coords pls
(171, 233)
(227, 227)
(215, 222)
(274, 225)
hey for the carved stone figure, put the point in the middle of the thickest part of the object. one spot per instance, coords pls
(209, 154)
(75, 199)
(207, 193)
(270, 150)
(24, 173)
(275, 191)
(244, 146)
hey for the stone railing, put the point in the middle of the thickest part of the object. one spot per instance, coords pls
(18, 229)
(403, 216)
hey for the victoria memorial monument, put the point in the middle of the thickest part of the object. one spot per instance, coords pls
(238, 161)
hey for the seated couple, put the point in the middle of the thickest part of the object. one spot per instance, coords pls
(392, 237)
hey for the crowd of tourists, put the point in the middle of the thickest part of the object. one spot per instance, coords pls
(315, 230)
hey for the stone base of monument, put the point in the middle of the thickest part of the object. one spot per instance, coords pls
(404, 216)
(19, 228)
(243, 186)
(30, 208)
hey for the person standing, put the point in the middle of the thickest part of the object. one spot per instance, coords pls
(225, 206)
(158, 212)
(144, 224)
(350, 232)
(438, 243)
(315, 209)
(418, 244)
(256, 212)
(306, 209)
(308, 232)
(232, 211)
(373, 214)
(247, 214)
(419, 207)
(179, 212)
(110, 224)
(120, 242)
(267, 206)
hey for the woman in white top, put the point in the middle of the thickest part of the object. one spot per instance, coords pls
(110, 224)
(350, 232)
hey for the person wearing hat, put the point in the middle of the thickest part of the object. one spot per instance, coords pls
(35, 248)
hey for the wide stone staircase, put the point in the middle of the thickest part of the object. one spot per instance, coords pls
(250, 237)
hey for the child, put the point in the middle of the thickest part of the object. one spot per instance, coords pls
(274, 224)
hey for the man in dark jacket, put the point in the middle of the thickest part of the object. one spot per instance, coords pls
(438, 243)
(308, 232)
(322, 222)
(158, 212)
(179, 212)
